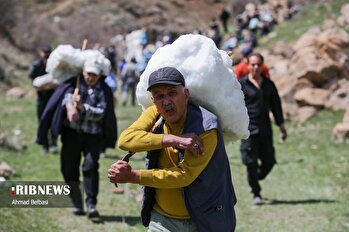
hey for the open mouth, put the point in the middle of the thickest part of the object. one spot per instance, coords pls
(169, 111)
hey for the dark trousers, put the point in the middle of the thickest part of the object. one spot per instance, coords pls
(42, 99)
(74, 145)
(125, 87)
(258, 154)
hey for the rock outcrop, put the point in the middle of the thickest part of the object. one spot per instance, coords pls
(313, 74)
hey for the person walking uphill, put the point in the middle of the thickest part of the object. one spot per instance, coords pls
(43, 95)
(129, 76)
(224, 16)
(261, 96)
(188, 184)
(87, 128)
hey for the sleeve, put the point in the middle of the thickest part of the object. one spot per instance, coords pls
(67, 99)
(32, 71)
(138, 137)
(186, 171)
(275, 106)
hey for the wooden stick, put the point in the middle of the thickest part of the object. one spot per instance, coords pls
(84, 45)
(77, 87)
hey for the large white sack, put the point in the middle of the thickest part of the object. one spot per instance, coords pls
(209, 78)
(66, 61)
(134, 45)
(45, 81)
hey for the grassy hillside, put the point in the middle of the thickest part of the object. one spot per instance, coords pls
(307, 190)
(311, 16)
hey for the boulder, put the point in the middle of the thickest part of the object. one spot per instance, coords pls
(6, 170)
(277, 65)
(304, 113)
(339, 41)
(341, 131)
(328, 24)
(315, 97)
(15, 92)
(306, 40)
(289, 110)
(344, 12)
(282, 49)
(341, 21)
(286, 86)
(13, 143)
(339, 98)
(318, 60)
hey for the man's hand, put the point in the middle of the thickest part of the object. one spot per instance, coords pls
(72, 112)
(122, 172)
(190, 141)
(283, 132)
(76, 99)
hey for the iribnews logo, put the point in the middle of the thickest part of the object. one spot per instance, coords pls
(37, 194)
(42, 189)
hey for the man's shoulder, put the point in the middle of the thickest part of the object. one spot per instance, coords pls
(37, 63)
(208, 112)
(199, 119)
(205, 113)
(244, 80)
(151, 110)
(267, 81)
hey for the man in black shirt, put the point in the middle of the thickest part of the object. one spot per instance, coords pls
(43, 95)
(261, 96)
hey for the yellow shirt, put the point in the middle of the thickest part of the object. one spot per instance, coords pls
(171, 175)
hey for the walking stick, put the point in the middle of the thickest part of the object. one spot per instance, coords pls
(77, 87)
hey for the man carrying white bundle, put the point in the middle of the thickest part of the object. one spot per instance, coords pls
(87, 125)
(188, 185)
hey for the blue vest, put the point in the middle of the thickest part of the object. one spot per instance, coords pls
(210, 199)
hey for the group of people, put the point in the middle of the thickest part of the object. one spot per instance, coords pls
(187, 181)
(127, 71)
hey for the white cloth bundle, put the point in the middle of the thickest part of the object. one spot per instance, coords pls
(66, 61)
(209, 78)
(134, 46)
(45, 81)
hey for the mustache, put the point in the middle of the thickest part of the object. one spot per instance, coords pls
(170, 106)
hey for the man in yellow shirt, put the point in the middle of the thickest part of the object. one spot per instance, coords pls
(188, 184)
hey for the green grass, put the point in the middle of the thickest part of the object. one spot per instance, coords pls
(308, 187)
(307, 190)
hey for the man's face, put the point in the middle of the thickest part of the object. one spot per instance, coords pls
(91, 79)
(45, 54)
(255, 65)
(171, 101)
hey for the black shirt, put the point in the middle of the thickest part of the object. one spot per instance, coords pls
(259, 102)
(38, 69)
